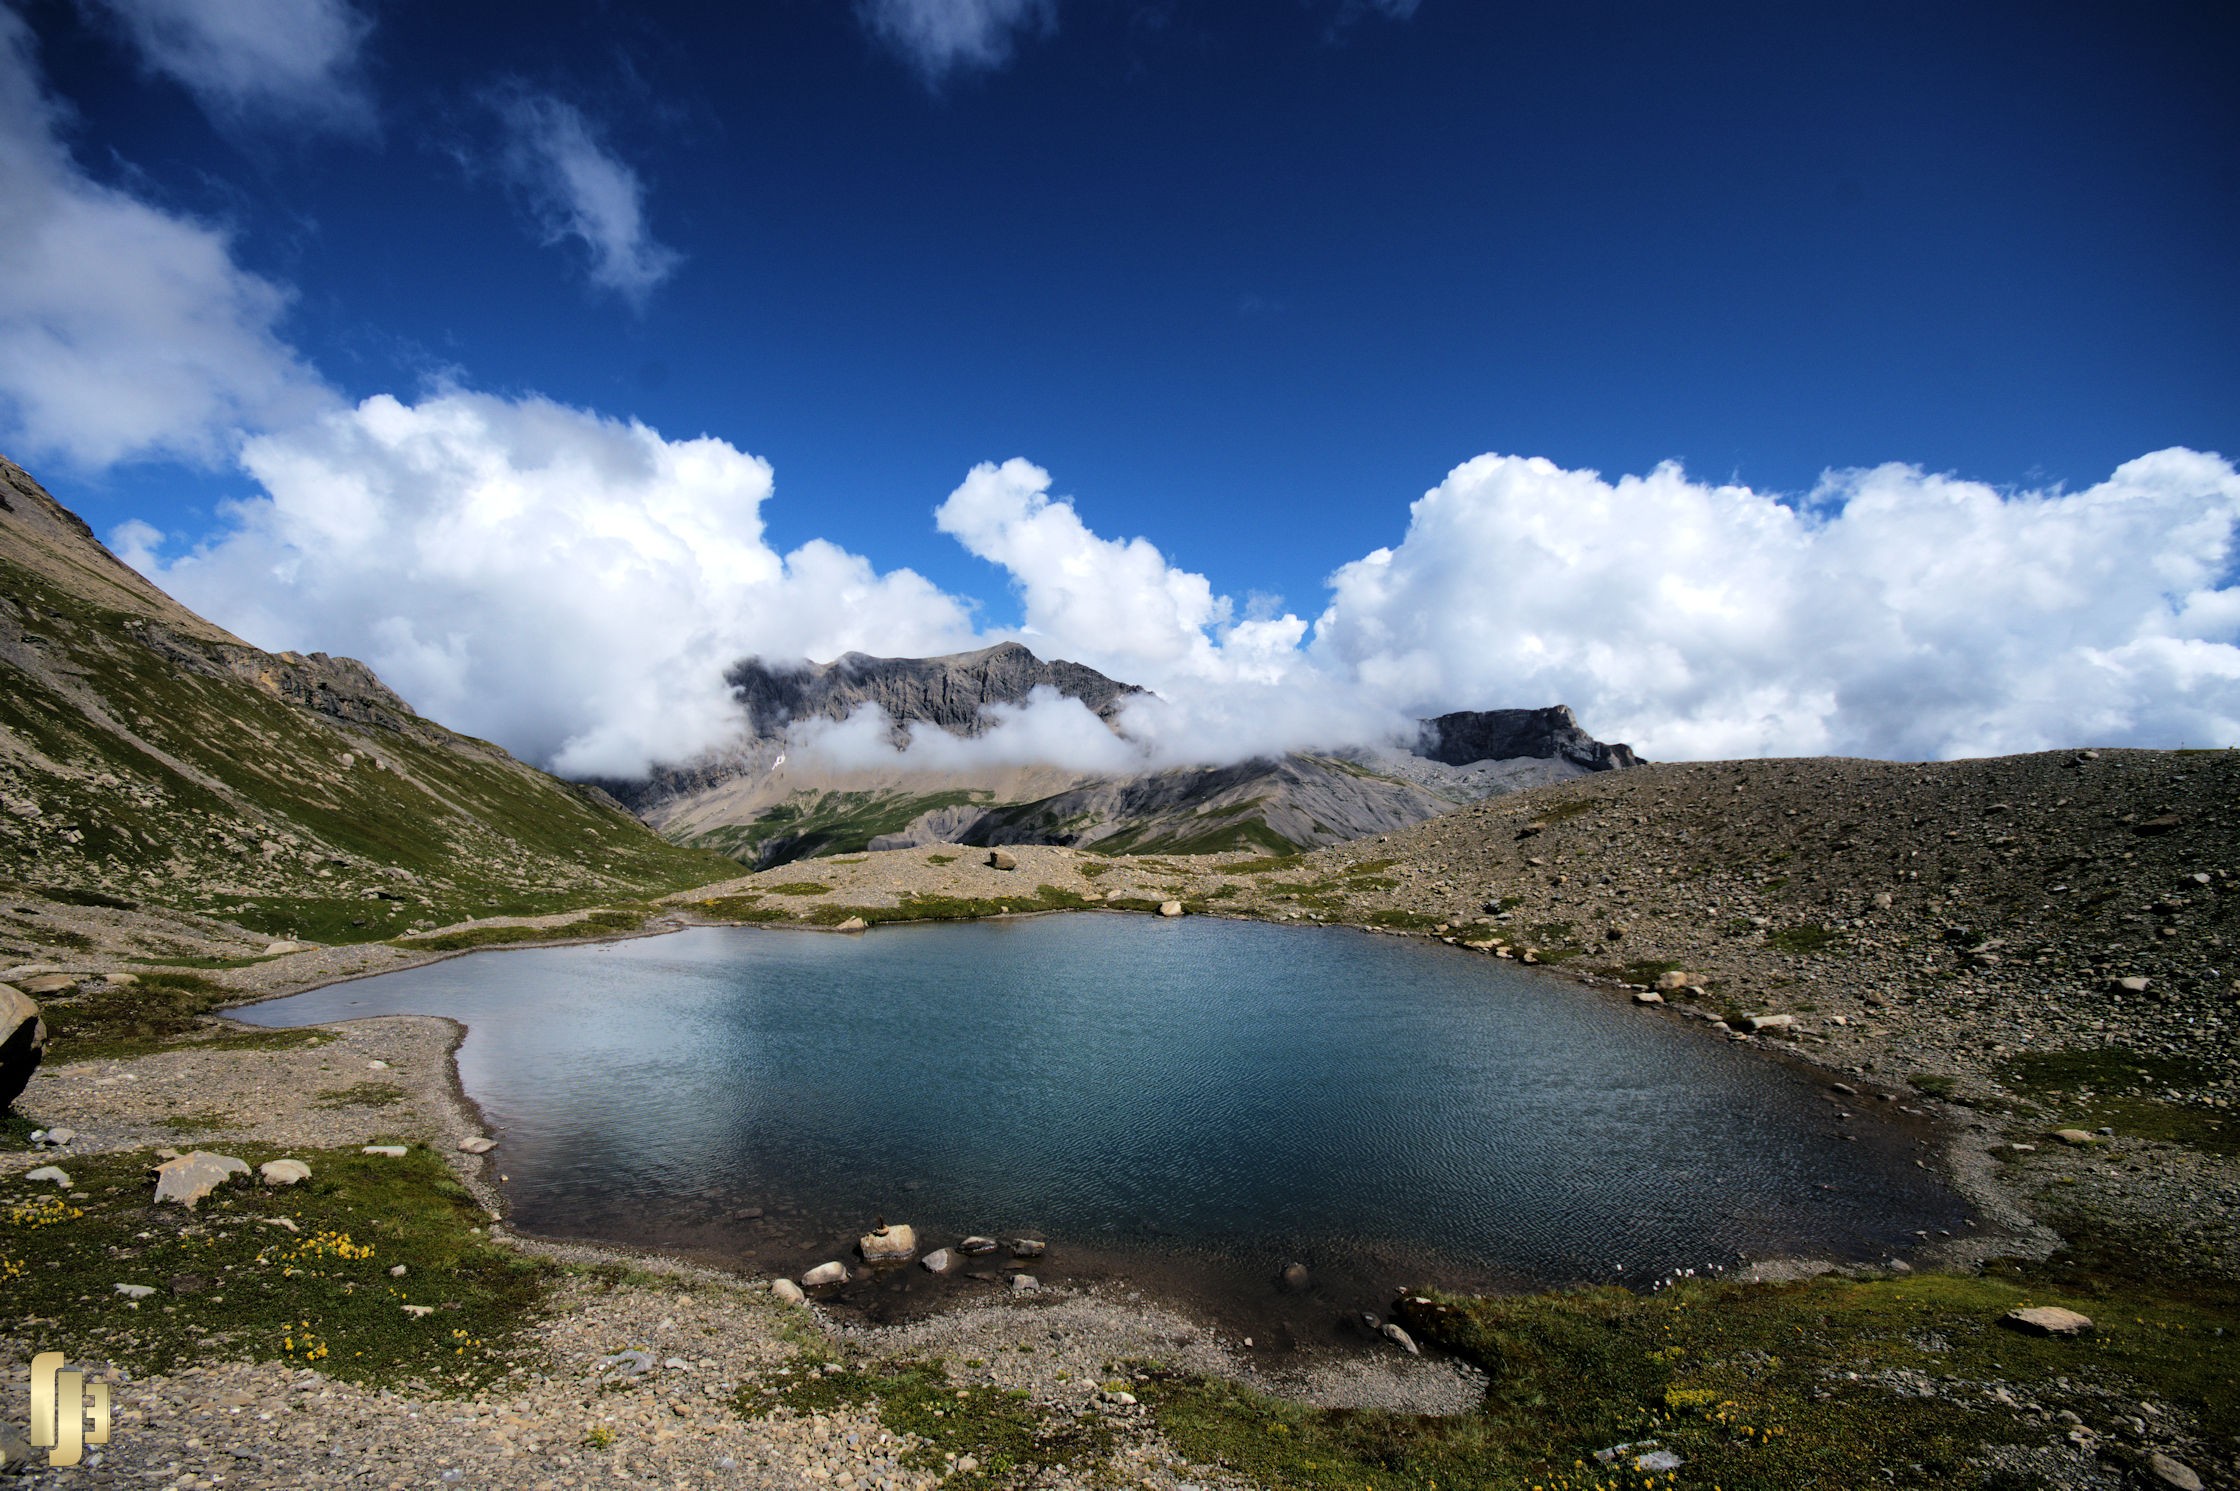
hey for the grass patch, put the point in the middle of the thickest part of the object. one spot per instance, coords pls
(942, 859)
(1803, 940)
(745, 908)
(360, 1095)
(1411, 920)
(1757, 1387)
(200, 1123)
(1931, 1084)
(1264, 865)
(230, 1286)
(1002, 1428)
(924, 908)
(466, 938)
(2129, 1091)
(801, 888)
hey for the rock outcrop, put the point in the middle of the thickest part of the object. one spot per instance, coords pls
(23, 1042)
(1551, 734)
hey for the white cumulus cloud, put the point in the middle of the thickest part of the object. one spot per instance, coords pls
(1893, 613)
(289, 60)
(126, 331)
(568, 585)
(578, 189)
(941, 37)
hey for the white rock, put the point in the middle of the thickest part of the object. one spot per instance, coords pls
(787, 1290)
(416, 1311)
(1770, 1022)
(58, 1135)
(1024, 1283)
(1170, 908)
(1647, 996)
(939, 1261)
(477, 1144)
(1401, 1339)
(195, 1175)
(853, 924)
(54, 1173)
(276, 949)
(393, 1151)
(135, 1291)
(897, 1241)
(825, 1273)
(278, 1173)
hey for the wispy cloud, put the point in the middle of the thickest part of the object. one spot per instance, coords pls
(245, 61)
(940, 38)
(578, 189)
(126, 331)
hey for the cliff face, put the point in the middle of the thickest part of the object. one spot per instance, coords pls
(1550, 734)
(947, 692)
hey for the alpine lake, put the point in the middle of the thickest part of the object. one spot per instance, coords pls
(1182, 1106)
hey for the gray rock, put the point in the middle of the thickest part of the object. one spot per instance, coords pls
(195, 1175)
(788, 1291)
(888, 1242)
(15, 1450)
(393, 1151)
(631, 1363)
(825, 1273)
(1770, 1022)
(2132, 984)
(853, 924)
(54, 1173)
(940, 1261)
(56, 1137)
(277, 1173)
(999, 860)
(1295, 1277)
(23, 1042)
(1024, 1283)
(1027, 1247)
(2047, 1320)
(1400, 1338)
(135, 1291)
(973, 1247)
(477, 1144)
(2172, 1473)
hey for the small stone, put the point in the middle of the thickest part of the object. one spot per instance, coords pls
(998, 860)
(2131, 984)
(136, 1291)
(1769, 1022)
(1648, 996)
(2173, 1473)
(853, 924)
(417, 1311)
(1027, 1247)
(788, 1291)
(974, 1246)
(393, 1151)
(377, 1066)
(58, 1136)
(2072, 1136)
(54, 1173)
(283, 1172)
(477, 1144)
(825, 1273)
(939, 1261)
(1295, 1277)
(967, 1464)
(1668, 983)
(1400, 1338)
(2047, 1320)
(1170, 908)
(1657, 1460)
(277, 949)
(398, 1272)
(1024, 1283)
(631, 1363)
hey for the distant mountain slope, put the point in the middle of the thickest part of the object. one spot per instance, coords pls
(146, 753)
(763, 805)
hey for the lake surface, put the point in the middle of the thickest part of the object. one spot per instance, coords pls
(1188, 1103)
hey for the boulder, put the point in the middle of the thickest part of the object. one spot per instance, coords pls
(998, 860)
(55, 1137)
(54, 1173)
(1024, 1283)
(973, 1247)
(853, 924)
(823, 1274)
(1769, 1022)
(1170, 908)
(276, 949)
(121, 980)
(1295, 1277)
(277, 1173)
(1648, 996)
(195, 1175)
(940, 1261)
(477, 1144)
(2046, 1320)
(2073, 1136)
(1401, 1339)
(48, 983)
(1027, 1247)
(135, 1291)
(1668, 983)
(23, 1042)
(2175, 1474)
(888, 1242)
(2131, 984)
(788, 1292)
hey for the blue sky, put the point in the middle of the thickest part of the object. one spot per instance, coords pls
(1246, 280)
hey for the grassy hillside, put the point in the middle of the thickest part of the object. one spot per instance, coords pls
(149, 757)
